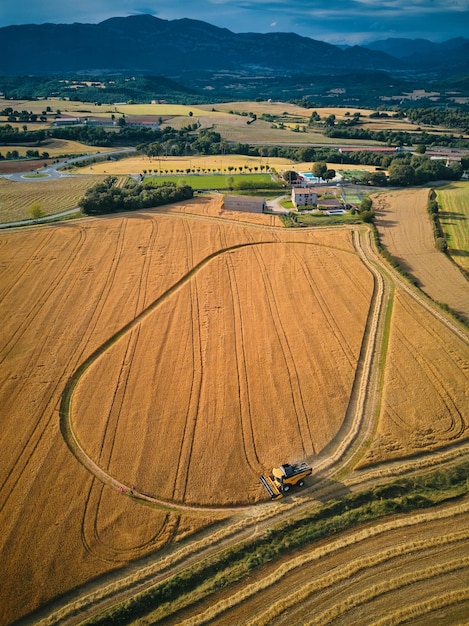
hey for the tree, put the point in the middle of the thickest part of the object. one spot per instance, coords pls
(35, 211)
(319, 168)
(401, 174)
(290, 176)
(366, 203)
(329, 174)
(378, 179)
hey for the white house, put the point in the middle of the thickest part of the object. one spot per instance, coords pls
(303, 196)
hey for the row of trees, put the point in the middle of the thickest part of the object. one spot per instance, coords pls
(30, 154)
(105, 197)
(395, 138)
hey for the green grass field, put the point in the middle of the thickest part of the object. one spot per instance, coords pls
(454, 218)
(217, 181)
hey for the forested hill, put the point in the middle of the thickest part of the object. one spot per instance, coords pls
(148, 44)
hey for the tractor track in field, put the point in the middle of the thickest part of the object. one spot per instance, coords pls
(252, 520)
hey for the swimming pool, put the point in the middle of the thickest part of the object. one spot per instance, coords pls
(310, 178)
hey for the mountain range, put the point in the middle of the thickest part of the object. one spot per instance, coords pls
(176, 48)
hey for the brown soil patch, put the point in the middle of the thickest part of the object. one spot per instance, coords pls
(405, 230)
(261, 341)
(13, 167)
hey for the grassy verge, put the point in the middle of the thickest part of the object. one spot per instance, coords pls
(232, 565)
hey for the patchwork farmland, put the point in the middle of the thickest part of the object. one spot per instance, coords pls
(171, 356)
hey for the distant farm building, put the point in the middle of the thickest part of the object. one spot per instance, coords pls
(374, 149)
(245, 203)
(303, 196)
(66, 121)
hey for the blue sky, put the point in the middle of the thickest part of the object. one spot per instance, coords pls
(336, 21)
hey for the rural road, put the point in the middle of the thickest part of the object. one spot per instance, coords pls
(54, 170)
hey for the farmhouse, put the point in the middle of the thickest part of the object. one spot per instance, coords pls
(245, 203)
(303, 196)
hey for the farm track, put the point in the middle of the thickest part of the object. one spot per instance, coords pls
(254, 520)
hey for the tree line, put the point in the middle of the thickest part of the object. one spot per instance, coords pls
(106, 197)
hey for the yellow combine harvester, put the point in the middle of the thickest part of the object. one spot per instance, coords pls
(285, 477)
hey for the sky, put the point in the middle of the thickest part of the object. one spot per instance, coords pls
(334, 21)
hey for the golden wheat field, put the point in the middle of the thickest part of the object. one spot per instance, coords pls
(235, 332)
(425, 402)
(53, 196)
(405, 230)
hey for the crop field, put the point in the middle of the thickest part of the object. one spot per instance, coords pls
(412, 569)
(424, 403)
(180, 165)
(154, 363)
(405, 230)
(56, 148)
(202, 388)
(55, 195)
(454, 219)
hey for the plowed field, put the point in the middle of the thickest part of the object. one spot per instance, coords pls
(209, 351)
(405, 229)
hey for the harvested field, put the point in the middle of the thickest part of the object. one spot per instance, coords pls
(218, 163)
(425, 398)
(56, 148)
(260, 338)
(53, 195)
(454, 218)
(405, 230)
(215, 208)
(360, 577)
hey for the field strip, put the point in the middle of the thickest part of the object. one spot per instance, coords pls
(359, 420)
(399, 582)
(339, 574)
(411, 611)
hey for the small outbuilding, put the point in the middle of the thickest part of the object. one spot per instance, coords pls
(249, 204)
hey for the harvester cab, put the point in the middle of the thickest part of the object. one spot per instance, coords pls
(285, 477)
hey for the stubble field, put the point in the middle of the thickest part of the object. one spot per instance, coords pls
(405, 229)
(247, 363)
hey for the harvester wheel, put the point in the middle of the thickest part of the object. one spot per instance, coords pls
(301, 483)
(286, 487)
